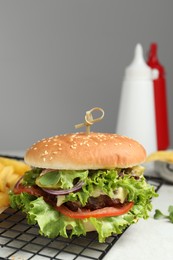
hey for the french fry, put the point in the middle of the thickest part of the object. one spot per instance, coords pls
(19, 166)
(164, 156)
(1, 166)
(2, 209)
(10, 172)
(5, 174)
(4, 200)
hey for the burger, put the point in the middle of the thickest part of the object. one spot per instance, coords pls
(82, 182)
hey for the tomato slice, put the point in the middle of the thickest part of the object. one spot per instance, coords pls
(83, 213)
(31, 190)
(98, 213)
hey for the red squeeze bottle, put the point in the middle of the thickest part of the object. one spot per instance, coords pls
(160, 97)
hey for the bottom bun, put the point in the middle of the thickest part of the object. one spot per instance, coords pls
(88, 226)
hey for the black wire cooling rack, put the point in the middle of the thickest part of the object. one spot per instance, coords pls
(20, 241)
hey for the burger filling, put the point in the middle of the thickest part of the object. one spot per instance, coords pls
(54, 187)
(115, 196)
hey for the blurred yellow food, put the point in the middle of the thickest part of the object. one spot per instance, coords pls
(10, 172)
(164, 156)
(19, 166)
(4, 200)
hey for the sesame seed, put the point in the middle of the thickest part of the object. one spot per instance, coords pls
(73, 146)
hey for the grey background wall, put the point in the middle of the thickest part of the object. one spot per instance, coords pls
(61, 58)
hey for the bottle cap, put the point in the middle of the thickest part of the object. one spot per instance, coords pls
(138, 69)
(153, 60)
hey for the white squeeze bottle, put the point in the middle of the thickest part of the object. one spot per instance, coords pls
(136, 116)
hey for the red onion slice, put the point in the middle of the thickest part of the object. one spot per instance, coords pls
(17, 183)
(77, 187)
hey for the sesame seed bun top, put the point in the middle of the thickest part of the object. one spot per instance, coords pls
(79, 151)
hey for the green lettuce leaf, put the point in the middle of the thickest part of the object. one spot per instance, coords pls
(30, 177)
(138, 191)
(158, 214)
(61, 179)
(52, 223)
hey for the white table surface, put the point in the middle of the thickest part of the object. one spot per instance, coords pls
(147, 239)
